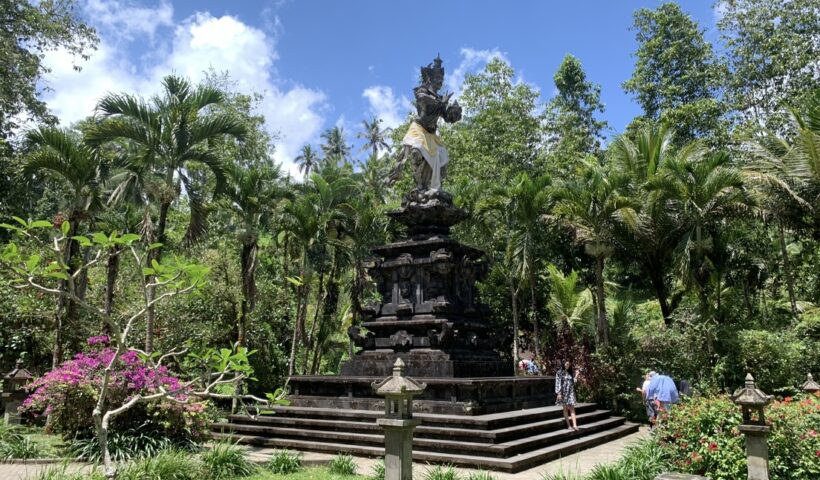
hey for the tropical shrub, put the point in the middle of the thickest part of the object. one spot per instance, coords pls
(377, 472)
(125, 445)
(226, 461)
(61, 473)
(776, 359)
(440, 472)
(701, 436)
(342, 465)
(68, 395)
(284, 462)
(480, 476)
(168, 465)
(14, 445)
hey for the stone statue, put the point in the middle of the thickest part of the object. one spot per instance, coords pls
(421, 144)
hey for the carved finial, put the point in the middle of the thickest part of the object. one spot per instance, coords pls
(750, 381)
(399, 368)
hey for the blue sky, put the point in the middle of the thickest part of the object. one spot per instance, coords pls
(331, 62)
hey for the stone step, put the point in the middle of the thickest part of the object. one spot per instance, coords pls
(238, 423)
(461, 446)
(491, 421)
(586, 437)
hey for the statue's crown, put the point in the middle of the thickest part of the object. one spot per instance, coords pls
(432, 70)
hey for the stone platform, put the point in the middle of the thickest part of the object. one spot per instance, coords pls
(509, 441)
(446, 396)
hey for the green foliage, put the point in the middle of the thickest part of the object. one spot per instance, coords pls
(677, 75)
(780, 32)
(777, 359)
(342, 464)
(62, 473)
(571, 127)
(15, 445)
(377, 472)
(31, 29)
(127, 445)
(284, 462)
(481, 475)
(226, 461)
(167, 465)
(441, 472)
(701, 436)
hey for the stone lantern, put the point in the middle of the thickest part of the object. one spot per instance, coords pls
(752, 400)
(398, 423)
(13, 393)
(811, 387)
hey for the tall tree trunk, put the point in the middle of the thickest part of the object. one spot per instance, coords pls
(330, 305)
(112, 268)
(534, 309)
(150, 293)
(320, 299)
(66, 308)
(303, 291)
(655, 275)
(514, 301)
(600, 301)
(248, 263)
(787, 269)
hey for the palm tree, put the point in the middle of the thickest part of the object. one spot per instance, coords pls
(528, 202)
(374, 136)
(307, 160)
(592, 205)
(699, 190)
(651, 246)
(335, 146)
(494, 217)
(252, 194)
(788, 169)
(170, 134)
(63, 154)
(569, 306)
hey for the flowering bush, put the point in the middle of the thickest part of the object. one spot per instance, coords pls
(69, 393)
(701, 436)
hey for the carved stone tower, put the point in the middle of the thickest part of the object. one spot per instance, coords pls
(428, 314)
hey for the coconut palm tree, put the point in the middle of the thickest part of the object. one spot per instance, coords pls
(307, 160)
(335, 147)
(169, 134)
(374, 136)
(63, 155)
(593, 206)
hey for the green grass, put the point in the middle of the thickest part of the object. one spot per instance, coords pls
(310, 473)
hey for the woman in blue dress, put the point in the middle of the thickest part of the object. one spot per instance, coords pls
(565, 392)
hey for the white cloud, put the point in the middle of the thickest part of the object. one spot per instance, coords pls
(128, 20)
(472, 61)
(294, 113)
(385, 105)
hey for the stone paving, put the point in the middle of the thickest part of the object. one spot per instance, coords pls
(579, 463)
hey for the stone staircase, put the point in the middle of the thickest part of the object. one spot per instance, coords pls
(509, 441)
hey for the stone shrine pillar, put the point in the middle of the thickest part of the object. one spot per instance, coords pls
(13, 393)
(753, 400)
(398, 422)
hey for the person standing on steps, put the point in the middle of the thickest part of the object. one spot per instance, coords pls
(565, 379)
